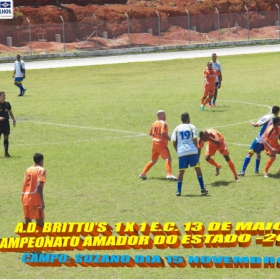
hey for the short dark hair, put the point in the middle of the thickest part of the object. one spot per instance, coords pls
(2, 92)
(275, 120)
(201, 134)
(38, 157)
(185, 117)
(275, 109)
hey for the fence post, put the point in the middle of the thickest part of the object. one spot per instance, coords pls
(96, 35)
(189, 35)
(248, 22)
(128, 31)
(218, 15)
(30, 46)
(158, 28)
(278, 20)
(63, 34)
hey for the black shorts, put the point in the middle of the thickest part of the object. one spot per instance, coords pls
(4, 127)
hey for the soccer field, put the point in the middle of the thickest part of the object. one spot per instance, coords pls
(92, 124)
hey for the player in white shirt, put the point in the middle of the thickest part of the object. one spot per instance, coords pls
(216, 65)
(19, 74)
(257, 145)
(184, 139)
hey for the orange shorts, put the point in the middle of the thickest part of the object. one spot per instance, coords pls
(160, 151)
(208, 91)
(33, 212)
(269, 153)
(211, 149)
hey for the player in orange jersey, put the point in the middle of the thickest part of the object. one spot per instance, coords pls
(210, 76)
(159, 132)
(215, 142)
(271, 144)
(32, 191)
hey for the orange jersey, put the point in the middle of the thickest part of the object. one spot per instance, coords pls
(158, 128)
(214, 134)
(271, 136)
(32, 177)
(211, 75)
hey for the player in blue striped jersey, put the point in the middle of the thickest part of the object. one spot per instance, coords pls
(257, 145)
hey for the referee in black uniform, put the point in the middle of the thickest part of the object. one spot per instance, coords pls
(5, 113)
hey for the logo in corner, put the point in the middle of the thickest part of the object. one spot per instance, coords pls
(6, 9)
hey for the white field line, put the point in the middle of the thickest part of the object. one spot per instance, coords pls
(130, 132)
(80, 141)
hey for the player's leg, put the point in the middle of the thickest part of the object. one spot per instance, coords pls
(232, 167)
(215, 96)
(246, 162)
(200, 178)
(210, 151)
(6, 145)
(165, 154)
(268, 164)
(183, 165)
(148, 166)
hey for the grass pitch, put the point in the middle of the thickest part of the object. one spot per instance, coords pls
(92, 124)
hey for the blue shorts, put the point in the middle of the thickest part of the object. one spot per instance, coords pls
(256, 147)
(190, 160)
(217, 84)
(19, 80)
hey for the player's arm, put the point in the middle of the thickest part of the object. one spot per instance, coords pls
(220, 79)
(14, 71)
(269, 147)
(205, 79)
(12, 117)
(166, 136)
(212, 139)
(40, 192)
(23, 72)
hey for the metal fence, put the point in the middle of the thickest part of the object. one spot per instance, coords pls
(22, 36)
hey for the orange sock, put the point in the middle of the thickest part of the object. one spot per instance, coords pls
(168, 166)
(147, 167)
(269, 163)
(203, 99)
(213, 162)
(232, 167)
(206, 101)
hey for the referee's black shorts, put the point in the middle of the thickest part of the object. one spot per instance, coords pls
(4, 127)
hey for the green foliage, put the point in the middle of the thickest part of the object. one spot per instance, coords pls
(92, 124)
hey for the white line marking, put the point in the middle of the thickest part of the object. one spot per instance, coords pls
(90, 128)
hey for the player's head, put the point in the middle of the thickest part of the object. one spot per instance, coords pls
(185, 118)
(18, 57)
(161, 115)
(202, 136)
(38, 159)
(209, 65)
(214, 57)
(275, 110)
(276, 121)
(2, 96)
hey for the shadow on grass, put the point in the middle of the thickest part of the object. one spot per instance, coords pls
(220, 183)
(196, 195)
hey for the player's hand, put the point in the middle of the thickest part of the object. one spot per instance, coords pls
(42, 207)
(2, 119)
(206, 134)
(14, 123)
(206, 83)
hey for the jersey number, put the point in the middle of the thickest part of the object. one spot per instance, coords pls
(185, 135)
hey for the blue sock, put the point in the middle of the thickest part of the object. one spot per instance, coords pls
(201, 183)
(258, 161)
(245, 164)
(179, 186)
(21, 88)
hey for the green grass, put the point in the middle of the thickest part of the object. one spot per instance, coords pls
(92, 124)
